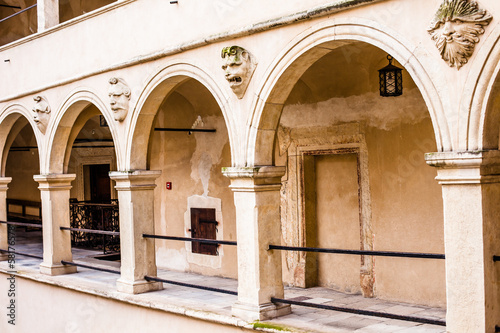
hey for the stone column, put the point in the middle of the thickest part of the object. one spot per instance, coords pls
(54, 189)
(47, 13)
(4, 245)
(136, 202)
(471, 202)
(257, 201)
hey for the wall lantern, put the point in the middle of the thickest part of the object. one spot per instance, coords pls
(391, 80)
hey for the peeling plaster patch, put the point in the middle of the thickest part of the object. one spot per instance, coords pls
(380, 112)
(208, 150)
(204, 168)
(171, 259)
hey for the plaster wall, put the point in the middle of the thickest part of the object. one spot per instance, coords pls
(23, 186)
(192, 163)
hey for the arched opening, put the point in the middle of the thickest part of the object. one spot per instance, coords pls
(188, 141)
(23, 204)
(356, 175)
(94, 203)
(83, 145)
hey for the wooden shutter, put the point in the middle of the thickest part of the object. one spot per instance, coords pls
(203, 225)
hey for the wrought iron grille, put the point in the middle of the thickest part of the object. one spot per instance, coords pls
(97, 217)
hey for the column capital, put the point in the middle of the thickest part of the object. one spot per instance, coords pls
(54, 182)
(4, 182)
(136, 180)
(477, 167)
(259, 178)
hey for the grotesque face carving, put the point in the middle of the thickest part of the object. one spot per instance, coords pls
(238, 65)
(119, 98)
(42, 113)
(456, 29)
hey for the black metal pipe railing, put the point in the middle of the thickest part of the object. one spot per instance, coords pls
(64, 262)
(92, 231)
(22, 254)
(497, 328)
(187, 239)
(362, 312)
(17, 13)
(9, 6)
(360, 252)
(22, 224)
(496, 258)
(164, 129)
(183, 284)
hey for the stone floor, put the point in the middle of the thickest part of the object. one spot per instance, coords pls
(302, 319)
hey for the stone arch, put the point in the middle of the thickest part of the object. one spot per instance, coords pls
(311, 45)
(157, 88)
(66, 124)
(478, 123)
(9, 128)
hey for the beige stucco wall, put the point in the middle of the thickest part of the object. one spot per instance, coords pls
(23, 186)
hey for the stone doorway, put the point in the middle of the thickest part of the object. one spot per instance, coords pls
(332, 216)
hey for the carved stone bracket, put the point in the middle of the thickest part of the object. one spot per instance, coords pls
(119, 98)
(456, 28)
(42, 113)
(238, 65)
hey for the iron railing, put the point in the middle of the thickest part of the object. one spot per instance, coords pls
(94, 216)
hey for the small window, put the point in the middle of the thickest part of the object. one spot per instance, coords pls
(203, 225)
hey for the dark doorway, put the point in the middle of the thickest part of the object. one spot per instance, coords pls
(100, 184)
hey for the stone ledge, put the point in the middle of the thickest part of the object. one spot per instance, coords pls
(149, 300)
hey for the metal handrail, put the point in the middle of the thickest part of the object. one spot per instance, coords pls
(22, 254)
(17, 13)
(92, 231)
(360, 252)
(187, 239)
(71, 263)
(189, 285)
(362, 312)
(22, 224)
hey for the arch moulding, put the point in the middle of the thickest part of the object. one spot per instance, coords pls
(8, 117)
(61, 125)
(477, 93)
(157, 87)
(303, 50)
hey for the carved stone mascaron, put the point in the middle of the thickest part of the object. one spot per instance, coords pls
(456, 28)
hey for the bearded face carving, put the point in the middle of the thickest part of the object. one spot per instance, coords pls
(238, 65)
(119, 97)
(42, 113)
(456, 29)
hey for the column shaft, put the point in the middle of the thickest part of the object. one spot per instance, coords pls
(55, 193)
(136, 202)
(471, 203)
(257, 201)
(48, 14)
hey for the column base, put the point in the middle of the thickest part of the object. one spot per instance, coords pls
(57, 269)
(265, 311)
(137, 287)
